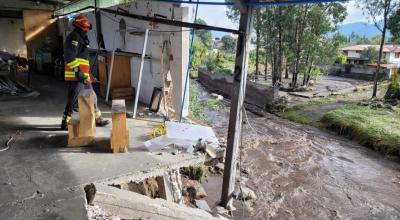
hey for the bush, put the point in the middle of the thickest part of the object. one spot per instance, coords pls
(341, 59)
(393, 91)
(219, 63)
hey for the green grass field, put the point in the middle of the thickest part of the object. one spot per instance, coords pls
(376, 128)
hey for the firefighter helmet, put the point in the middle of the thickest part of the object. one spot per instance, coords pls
(82, 22)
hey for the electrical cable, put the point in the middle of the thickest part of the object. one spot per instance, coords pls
(7, 144)
(189, 64)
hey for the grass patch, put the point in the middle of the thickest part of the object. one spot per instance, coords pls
(312, 103)
(213, 104)
(376, 128)
(196, 106)
(296, 117)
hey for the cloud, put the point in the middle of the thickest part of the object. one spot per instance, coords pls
(214, 15)
(354, 13)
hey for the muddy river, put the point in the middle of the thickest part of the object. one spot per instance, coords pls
(301, 172)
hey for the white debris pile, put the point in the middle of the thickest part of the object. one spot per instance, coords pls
(186, 137)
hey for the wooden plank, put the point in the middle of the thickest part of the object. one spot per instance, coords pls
(87, 124)
(73, 133)
(119, 135)
(121, 77)
(118, 106)
(80, 141)
(122, 93)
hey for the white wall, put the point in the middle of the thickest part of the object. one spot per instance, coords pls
(152, 73)
(353, 54)
(12, 36)
(390, 57)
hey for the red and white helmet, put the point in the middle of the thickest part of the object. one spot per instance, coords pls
(82, 22)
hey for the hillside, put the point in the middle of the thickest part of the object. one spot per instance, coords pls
(360, 28)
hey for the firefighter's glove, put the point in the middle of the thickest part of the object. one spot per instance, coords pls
(79, 75)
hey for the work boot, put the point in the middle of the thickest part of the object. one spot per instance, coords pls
(64, 122)
(101, 122)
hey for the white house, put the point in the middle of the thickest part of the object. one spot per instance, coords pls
(390, 52)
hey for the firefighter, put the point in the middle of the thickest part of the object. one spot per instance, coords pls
(77, 69)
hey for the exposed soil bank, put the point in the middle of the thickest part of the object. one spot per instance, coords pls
(301, 172)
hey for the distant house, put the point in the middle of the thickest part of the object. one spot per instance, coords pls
(390, 52)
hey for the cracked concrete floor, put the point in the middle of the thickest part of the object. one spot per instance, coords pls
(41, 178)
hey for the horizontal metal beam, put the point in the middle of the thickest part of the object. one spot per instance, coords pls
(156, 20)
(195, 2)
(170, 22)
(291, 2)
(74, 12)
(253, 3)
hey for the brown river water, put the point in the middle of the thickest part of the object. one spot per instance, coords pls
(302, 172)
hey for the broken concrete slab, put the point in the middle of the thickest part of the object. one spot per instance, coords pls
(189, 137)
(190, 132)
(202, 204)
(130, 205)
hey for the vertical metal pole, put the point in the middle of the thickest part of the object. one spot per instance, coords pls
(140, 73)
(238, 94)
(110, 71)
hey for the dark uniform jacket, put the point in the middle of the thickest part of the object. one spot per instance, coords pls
(76, 57)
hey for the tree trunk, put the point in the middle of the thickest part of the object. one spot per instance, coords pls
(257, 53)
(299, 38)
(266, 66)
(378, 68)
(286, 72)
(280, 46)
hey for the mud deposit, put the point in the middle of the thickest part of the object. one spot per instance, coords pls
(301, 172)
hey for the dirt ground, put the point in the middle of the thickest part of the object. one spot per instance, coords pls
(301, 172)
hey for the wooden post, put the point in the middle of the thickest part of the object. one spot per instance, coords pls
(82, 127)
(87, 125)
(119, 134)
(238, 94)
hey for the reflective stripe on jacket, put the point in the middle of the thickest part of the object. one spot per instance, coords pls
(76, 56)
(80, 63)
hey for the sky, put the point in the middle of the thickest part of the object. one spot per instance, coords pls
(216, 15)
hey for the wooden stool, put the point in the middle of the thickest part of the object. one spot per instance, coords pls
(82, 127)
(119, 134)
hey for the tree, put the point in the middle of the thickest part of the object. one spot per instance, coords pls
(370, 54)
(376, 9)
(376, 39)
(228, 43)
(198, 53)
(394, 25)
(257, 27)
(294, 38)
(204, 35)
